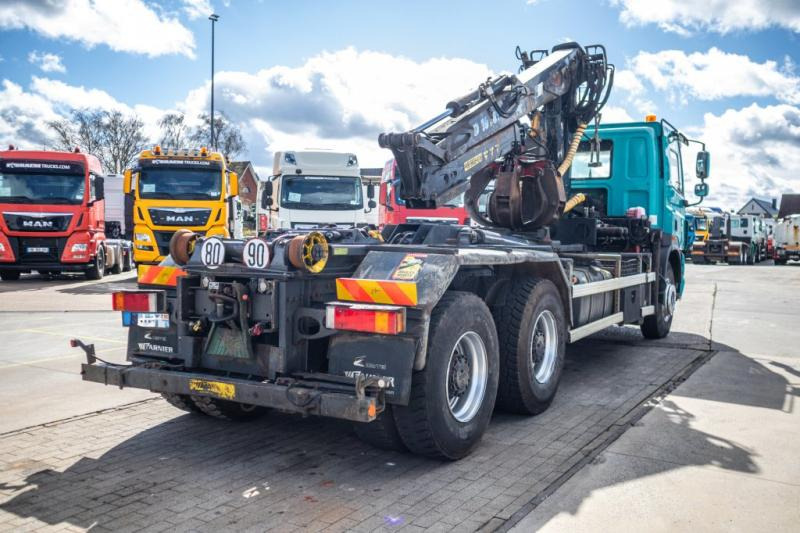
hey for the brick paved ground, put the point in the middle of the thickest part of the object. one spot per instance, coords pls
(149, 467)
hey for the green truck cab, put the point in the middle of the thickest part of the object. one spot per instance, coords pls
(626, 166)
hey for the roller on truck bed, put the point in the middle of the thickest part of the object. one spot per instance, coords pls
(416, 333)
(55, 217)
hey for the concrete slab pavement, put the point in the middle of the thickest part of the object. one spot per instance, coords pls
(720, 451)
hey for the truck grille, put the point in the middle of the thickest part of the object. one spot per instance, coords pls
(39, 249)
(181, 217)
(37, 221)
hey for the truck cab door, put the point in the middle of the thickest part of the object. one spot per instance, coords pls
(674, 194)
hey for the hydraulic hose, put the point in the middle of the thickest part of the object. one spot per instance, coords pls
(573, 148)
(574, 201)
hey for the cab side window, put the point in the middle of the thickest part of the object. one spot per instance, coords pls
(92, 188)
(675, 166)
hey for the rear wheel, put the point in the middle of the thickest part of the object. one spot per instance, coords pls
(751, 257)
(181, 401)
(657, 326)
(532, 329)
(116, 268)
(381, 432)
(98, 269)
(9, 275)
(127, 260)
(228, 410)
(452, 398)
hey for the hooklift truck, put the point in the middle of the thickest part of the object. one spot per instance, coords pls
(414, 334)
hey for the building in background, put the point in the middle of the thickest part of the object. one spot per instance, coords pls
(759, 207)
(790, 205)
(248, 185)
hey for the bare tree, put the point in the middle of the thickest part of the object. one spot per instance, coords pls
(227, 137)
(83, 130)
(110, 135)
(174, 132)
(123, 139)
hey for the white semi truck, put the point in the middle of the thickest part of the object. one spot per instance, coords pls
(787, 240)
(314, 188)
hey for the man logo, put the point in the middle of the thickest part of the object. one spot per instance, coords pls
(37, 223)
(179, 218)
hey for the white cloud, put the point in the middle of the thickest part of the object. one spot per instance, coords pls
(196, 9)
(755, 151)
(122, 25)
(711, 75)
(47, 62)
(723, 16)
(337, 99)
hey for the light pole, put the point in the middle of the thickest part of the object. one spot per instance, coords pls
(213, 18)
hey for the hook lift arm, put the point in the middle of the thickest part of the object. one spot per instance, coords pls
(480, 138)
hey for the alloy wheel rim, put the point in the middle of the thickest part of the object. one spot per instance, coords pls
(544, 347)
(467, 376)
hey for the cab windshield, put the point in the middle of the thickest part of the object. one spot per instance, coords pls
(700, 224)
(42, 188)
(180, 184)
(321, 192)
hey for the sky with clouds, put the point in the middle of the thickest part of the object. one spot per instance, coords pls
(314, 74)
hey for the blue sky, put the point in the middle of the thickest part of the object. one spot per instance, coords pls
(334, 74)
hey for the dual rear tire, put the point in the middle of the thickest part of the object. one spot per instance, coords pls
(469, 367)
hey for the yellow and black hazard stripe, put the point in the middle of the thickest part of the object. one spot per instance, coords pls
(377, 291)
(160, 275)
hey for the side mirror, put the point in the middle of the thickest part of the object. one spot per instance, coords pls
(702, 167)
(99, 189)
(371, 192)
(266, 198)
(701, 190)
(234, 183)
(371, 204)
(126, 181)
(268, 187)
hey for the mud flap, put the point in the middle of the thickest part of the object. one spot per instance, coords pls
(379, 356)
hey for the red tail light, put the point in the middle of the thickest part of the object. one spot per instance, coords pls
(138, 301)
(262, 222)
(384, 319)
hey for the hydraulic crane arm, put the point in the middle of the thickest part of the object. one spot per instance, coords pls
(480, 137)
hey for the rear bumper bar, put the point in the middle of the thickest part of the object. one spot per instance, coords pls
(293, 398)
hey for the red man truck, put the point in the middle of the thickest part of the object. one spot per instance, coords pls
(52, 216)
(392, 209)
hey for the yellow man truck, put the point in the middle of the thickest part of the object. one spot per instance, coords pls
(172, 189)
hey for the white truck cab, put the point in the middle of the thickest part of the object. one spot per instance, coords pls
(313, 188)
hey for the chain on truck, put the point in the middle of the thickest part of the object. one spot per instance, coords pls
(416, 333)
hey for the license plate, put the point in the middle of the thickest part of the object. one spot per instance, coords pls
(226, 391)
(153, 320)
(38, 250)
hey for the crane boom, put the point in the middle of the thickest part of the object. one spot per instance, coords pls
(480, 137)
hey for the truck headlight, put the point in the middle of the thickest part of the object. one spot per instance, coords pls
(78, 247)
(144, 237)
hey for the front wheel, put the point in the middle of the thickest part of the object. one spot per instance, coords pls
(9, 275)
(452, 398)
(98, 269)
(657, 325)
(127, 260)
(532, 329)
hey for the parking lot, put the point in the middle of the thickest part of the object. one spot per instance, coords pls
(77, 456)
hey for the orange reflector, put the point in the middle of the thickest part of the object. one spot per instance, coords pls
(138, 301)
(160, 275)
(384, 319)
(377, 291)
